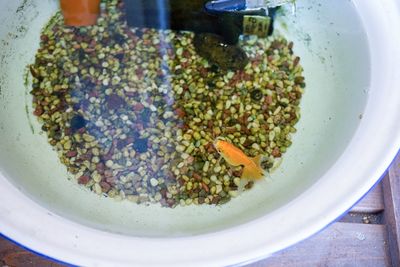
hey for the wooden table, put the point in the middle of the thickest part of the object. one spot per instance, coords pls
(367, 236)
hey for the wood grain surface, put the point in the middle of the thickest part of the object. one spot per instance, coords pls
(391, 186)
(371, 203)
(342, 244)
(13, 255)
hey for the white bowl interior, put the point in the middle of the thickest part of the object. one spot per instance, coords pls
(327, 35)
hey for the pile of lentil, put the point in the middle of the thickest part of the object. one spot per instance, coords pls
(133, 113)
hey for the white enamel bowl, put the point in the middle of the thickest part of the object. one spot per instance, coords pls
(348, 134)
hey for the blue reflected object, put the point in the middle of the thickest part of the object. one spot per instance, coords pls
(218, 6)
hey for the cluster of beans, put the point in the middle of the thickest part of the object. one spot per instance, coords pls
(133, 113)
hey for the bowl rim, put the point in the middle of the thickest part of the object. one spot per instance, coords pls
(247, 242)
